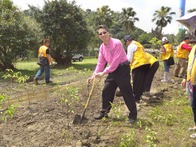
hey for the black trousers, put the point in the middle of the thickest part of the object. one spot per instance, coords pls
(193, 103)
(119, 78)
(149, 76)
(139, 75)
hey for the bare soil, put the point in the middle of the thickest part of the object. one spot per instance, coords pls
(42, 119)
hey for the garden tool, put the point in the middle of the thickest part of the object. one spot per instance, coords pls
(78, 119)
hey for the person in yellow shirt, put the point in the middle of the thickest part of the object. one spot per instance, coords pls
(182, 53)
(44, 60)
(154, 65)
(190, 83)
(139, 63)
(166, 52)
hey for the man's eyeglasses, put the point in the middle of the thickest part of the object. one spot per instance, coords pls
(102, 33)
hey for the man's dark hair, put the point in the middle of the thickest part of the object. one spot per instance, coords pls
(186, 38)
(46, 41)
(102, 27)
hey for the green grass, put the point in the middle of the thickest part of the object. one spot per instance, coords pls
(30, 67)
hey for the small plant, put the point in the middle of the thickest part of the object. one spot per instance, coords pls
(117, 110)
(127, 140)
(15, 76)
(158, 115)
(68, 97)
(150, 137)
(9, 113)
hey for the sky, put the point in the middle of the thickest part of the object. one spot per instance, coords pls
(144, 9)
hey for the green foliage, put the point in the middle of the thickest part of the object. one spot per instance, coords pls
(68, 97)
(157, 115)
(15, 76)
(117, 110)
(16, 36)
(127, 19)
(9, 111)
(150, 137)
(104, 15)
(144, 39)
(162, 17)
(64, 24)
(156, 44)
(127, 140)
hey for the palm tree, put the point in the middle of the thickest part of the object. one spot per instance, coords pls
(104, 16)
(128, 19)
(162, 17)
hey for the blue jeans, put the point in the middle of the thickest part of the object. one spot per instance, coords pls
(45, 68)
(166, 67)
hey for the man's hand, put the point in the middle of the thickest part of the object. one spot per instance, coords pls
(99, 74)
(183, 83)
(89, 80)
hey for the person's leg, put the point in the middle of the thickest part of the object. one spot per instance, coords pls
(193, 103)
(39, 72)
(124, 84)
(139, 75)
(166, 70)
(47, 73)
(183, 68)
(177, 68)
(108, 93)
(149, 76)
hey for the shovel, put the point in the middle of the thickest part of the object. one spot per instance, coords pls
(78, 119)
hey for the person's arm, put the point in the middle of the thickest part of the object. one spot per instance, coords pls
(48, 56)
(186, 47)
(130, 51)
(101, 63)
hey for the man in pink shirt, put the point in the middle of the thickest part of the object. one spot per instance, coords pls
(112, 52)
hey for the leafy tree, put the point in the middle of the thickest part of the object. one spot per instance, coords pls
(156, 43)
(64, 24)
(104, 15)
(16, 36)
(144, 40)
(191, 10)
(162, 17)
(128, 19)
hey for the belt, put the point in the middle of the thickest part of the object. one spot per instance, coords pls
(124, 63)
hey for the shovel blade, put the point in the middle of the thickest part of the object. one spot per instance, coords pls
(77, 119)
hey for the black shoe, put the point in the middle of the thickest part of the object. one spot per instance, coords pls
(35, 81)
(130, 120)
(49, 82)
(100, 116)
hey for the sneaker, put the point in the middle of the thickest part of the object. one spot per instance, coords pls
(35, 81)
(164, 81)
(100, 116)
(193, 135)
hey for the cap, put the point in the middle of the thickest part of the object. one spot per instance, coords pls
(127, 37)
(164, 39)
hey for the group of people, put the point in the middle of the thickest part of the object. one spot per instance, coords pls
(136, 62)
(142, 66)
(121, 65)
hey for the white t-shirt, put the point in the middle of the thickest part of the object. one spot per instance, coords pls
(130, 51)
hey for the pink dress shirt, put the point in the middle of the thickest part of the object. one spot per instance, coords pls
(113, 53)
